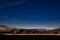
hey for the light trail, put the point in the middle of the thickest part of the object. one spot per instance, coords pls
(34, 34)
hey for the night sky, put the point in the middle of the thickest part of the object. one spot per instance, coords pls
(30, 13)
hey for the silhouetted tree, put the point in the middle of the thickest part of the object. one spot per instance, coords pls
(55, 32)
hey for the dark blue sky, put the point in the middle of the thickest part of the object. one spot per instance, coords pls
(30, 12)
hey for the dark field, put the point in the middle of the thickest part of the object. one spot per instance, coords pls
(31, 37)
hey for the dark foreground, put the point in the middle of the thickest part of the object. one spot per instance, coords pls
(30, 37)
